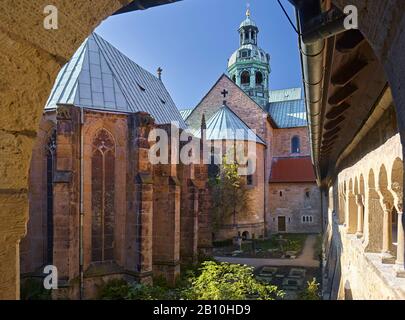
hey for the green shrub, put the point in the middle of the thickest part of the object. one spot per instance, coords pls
(141, 291)
(116, 289)
(33, 289)
(121, 290)
(225, 281)
(311, 292)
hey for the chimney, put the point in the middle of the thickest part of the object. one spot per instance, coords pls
(159, 73)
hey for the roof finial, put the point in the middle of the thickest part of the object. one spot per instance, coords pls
(159, 73)
(248, 10)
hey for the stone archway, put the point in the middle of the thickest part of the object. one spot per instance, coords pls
(31, 56)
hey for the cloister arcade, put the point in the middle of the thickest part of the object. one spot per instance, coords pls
(370, 203)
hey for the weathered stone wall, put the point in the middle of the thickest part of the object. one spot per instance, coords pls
(359, 275)
(146, 206)
(363, 204)
(31, 58)
(294, 201)
(33, 245)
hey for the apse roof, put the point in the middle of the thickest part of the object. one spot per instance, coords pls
(185, 113)
(99, 76)
(226, 125)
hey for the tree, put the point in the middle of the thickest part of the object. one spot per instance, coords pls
(230, 195)
(225, 281)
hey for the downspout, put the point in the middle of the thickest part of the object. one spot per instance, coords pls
(81, 260)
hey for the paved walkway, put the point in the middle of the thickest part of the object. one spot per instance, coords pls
(306, 259)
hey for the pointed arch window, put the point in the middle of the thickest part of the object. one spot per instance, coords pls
(50, 170)
(295, 144)
(103, 193)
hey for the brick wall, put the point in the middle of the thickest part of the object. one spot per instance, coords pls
(281, 146)
(237, 100)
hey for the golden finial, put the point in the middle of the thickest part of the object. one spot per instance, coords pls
(248, 10)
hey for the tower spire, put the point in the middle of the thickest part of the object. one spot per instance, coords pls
(248, 10)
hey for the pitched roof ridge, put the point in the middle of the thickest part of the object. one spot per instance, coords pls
(123, 54)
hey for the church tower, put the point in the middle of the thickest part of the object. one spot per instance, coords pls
(249, 66)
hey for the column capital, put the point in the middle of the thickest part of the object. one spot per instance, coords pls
(359, 200)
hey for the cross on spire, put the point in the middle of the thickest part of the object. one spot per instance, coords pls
(224, 93)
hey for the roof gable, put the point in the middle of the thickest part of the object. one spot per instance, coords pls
(99, 76)
(194, 118)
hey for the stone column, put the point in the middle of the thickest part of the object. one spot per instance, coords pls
(166, 217)
(189, 222)
(399, 263)
(204, 207)
(13, 216)
(140, 209)
(351, 216)
(386, 253)
(360, 216)
(386, 205)
(66, 192)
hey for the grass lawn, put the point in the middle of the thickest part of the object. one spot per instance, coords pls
(265, 248)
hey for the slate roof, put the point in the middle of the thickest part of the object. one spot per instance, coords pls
(226, 125)
(99, 76)
(298, 169)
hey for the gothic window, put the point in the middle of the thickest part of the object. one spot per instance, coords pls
(259, 78)
(295, 144)
(234, 78)
(245, 77)
(50, 167)
(103, 191)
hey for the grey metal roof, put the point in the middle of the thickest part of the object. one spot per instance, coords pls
(101, 77)
(226, 125)
(185, 113)
(288, 114)
(285, 95)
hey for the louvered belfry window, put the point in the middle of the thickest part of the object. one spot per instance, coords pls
(103, 191)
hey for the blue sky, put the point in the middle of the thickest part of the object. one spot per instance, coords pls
(193, 39)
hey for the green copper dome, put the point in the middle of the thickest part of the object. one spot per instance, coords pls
(249, 65)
